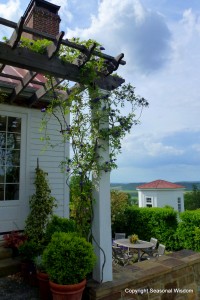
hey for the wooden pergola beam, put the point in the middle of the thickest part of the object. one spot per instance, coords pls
(43, 91)
(21, 86)
(15, 38)
(29, 60)
(20, 78)
(65, 42)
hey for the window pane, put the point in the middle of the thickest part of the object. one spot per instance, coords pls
(2, 174)
(3, 123)
(12, 192)
(2, 140)
(1, 192)
(2, 157)
(13, 140)
(12, 158)
(12, 175)
(14, 124)
(10, 141)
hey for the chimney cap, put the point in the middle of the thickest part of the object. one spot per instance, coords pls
(42, 3)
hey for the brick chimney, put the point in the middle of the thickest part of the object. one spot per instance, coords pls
(42, 16)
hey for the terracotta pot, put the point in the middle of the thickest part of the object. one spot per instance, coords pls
(67, 292)
(44, 287)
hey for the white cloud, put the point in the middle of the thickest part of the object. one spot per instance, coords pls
(64, 11)
(11, 10)
(126, 26)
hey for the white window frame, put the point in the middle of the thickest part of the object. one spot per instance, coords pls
(22, 175)
(148, 201)
(179, 204)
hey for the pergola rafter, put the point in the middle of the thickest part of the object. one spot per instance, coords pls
(23, 59)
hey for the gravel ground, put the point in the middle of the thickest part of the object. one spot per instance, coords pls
(14, 288)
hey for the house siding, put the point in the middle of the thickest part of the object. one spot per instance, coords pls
(160, 198)
(49, 161)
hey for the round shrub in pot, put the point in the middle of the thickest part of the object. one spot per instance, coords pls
(68, 258)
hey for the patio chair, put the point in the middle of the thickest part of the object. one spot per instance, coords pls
(120, 256)
(155, 253)
(151, 250)
(120, 235)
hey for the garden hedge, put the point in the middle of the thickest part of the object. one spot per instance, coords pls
(188, 231)
(160, 223)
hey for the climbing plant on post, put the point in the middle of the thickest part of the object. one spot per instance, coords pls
(98, 121)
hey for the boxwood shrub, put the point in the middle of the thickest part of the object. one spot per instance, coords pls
(68, 258)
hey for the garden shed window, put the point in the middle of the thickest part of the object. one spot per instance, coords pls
(10, 144)
(149, 202)
(179, 204)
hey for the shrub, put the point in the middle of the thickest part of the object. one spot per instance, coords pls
(188, 230)
(58, 224)
(29, 250)
(41, 208)
(68, 258)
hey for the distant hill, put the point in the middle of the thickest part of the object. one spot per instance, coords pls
(132, 186)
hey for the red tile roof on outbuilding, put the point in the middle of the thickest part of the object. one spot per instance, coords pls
(160, 184)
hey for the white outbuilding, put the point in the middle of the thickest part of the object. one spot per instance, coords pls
(160, 193)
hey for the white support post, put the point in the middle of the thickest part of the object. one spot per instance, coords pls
(101, 227)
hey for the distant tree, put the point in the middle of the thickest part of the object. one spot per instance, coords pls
(192, 199)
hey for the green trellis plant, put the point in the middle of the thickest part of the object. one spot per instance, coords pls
(97, 120)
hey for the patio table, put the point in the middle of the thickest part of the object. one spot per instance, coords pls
(139, 245)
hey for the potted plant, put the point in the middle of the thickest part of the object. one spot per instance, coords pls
(68, 258)
(133, 238)
(43, 279)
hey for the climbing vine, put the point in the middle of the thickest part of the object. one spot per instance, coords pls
(98, 119)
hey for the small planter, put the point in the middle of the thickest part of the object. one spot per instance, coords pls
(67, 292)
(44, 287)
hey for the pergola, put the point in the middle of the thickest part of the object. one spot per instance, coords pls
(23, 81)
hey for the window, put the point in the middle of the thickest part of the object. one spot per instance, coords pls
(179, 204)
(10, 143)
(149, 202)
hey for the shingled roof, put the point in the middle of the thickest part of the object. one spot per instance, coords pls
(159, 184)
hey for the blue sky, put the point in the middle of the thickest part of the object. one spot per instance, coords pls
(161, 43)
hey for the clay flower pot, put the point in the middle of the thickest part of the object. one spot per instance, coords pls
(67, 292)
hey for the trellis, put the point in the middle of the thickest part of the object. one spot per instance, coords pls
(18, 88)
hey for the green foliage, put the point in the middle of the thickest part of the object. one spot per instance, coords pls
(189, 230)
(97, 121)
(197, 238)
(81, 203)
(68, 258)
(39, 264)
(41, 209)
(58, 224)
(29, 250)
(119, 202)
(38, 46)
(151, 222)
(192, 199)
